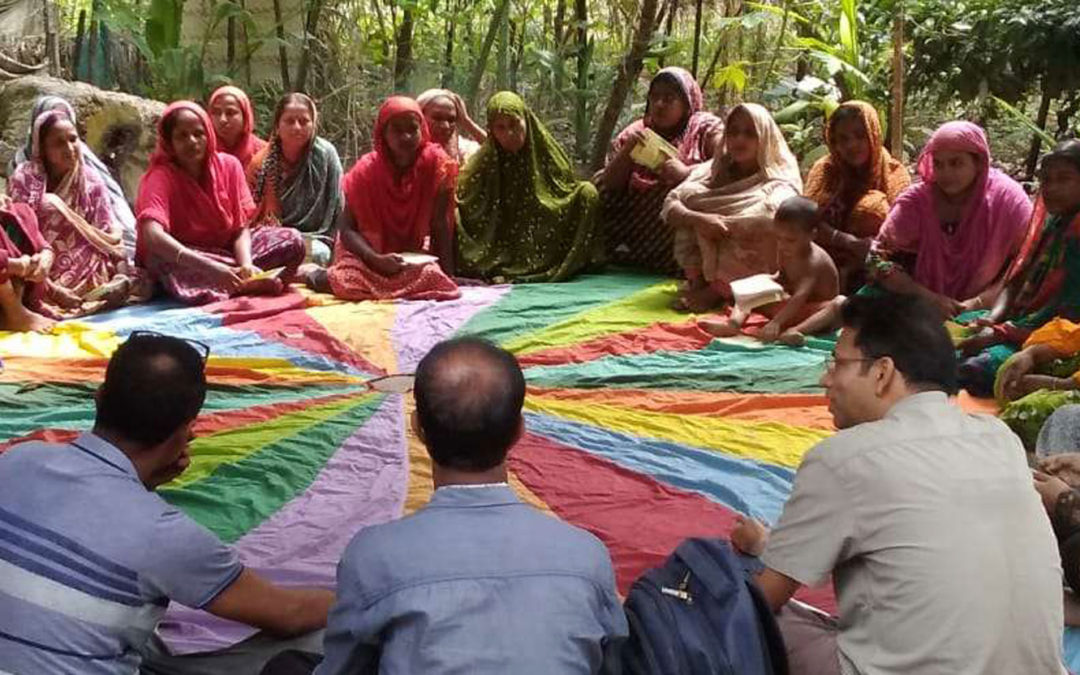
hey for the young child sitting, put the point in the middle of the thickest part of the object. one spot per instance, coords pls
(806, 272)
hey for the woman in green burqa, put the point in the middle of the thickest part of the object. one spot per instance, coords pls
(525, 216)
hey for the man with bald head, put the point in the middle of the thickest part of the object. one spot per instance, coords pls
(476, 581)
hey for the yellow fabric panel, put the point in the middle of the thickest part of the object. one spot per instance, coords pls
(365, 327)
(69, 339)
(771, 442)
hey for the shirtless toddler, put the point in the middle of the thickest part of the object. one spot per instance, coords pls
(806, 272)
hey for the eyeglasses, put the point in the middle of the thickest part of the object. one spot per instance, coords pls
(401, 383)
(201, 347)
(834, 360)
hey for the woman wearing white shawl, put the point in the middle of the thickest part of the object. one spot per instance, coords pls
(121, 210)
(447, 119)
(722, 214)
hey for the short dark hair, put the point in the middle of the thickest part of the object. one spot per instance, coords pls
(469, 395)
(909, 330)
(154, 384)
(799, 211)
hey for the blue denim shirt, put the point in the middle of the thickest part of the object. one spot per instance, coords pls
(475, 582)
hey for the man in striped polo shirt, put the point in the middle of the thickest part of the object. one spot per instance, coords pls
(90, 555)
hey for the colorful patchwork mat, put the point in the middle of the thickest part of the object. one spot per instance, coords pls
(639, 427)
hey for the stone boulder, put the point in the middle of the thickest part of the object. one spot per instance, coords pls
(120, 128)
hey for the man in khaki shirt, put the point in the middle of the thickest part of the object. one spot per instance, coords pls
(942, 558)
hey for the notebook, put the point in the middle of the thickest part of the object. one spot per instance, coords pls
(653, 151)
(756, 291)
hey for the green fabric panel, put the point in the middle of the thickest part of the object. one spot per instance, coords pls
(71, 405)
(532, 307)
(239, 496)
(722, 366)
(639, 310)
(232, 445)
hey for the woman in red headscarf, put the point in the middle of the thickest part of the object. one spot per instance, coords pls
(193, 210)
(234, 124)
(395, 236)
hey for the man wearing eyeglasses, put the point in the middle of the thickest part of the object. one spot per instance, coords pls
(90, 555)
(942, 558)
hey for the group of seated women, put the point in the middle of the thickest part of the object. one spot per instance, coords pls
(441, 200)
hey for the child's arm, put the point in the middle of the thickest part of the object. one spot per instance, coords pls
(817, 272)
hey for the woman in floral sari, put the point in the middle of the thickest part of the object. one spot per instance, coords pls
(91, 271)
(193, 210)
(296, 180)
(632, 195)
(92, 164)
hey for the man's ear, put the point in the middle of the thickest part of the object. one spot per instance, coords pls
(885, 374)
(414, 422)
(520, 430)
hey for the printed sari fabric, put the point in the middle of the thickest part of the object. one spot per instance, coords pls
(964, 259)
(747, 203)
(19, 236)
(76, 220)
(636, 234)
(1047, 279)
(305, 196)
(525, 216)
(247, 145)
(205, 215)
(92, 164)
(394, 214)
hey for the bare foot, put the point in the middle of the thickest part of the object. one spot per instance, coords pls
(720, 327)
(792, 338)
(27, 322)
(269, 286)
(318, 280)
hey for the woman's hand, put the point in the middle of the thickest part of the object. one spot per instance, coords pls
(18, 267)
(1050, 488)
(673, 172)
(388, 264)
(245, 272)
(947, 307)
(1014, 370)
(224, 276)
(711, 225)
(1065, 466)
(976, 343)
(40, 264)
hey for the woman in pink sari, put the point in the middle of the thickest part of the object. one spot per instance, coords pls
(193, 211)
(91, 271)
(234, 124)
(950, 238)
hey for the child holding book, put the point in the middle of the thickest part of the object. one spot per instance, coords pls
(806, 273)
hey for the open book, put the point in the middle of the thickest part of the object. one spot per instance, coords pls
(756, 291)
(653, 151)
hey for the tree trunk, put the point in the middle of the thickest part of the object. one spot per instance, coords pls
(384, 43)
(896, 109)
(283, 53)
(1070, 105)
(502, 54)
(560, 44)
(473, 90)
(581, 85)
(80, 34)
(1036, 141)
(697, 37)
(247, 48)
(518, 38)
(673, 8)
(311, 24)
(403, 60)
(52, 47)
(628, 72)
(448, 53)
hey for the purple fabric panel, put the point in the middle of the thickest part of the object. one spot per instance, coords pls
(421, 325)
(363, 484)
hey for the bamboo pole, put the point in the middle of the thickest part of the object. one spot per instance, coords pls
(896, 110)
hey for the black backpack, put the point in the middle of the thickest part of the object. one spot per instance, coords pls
(700, 613)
